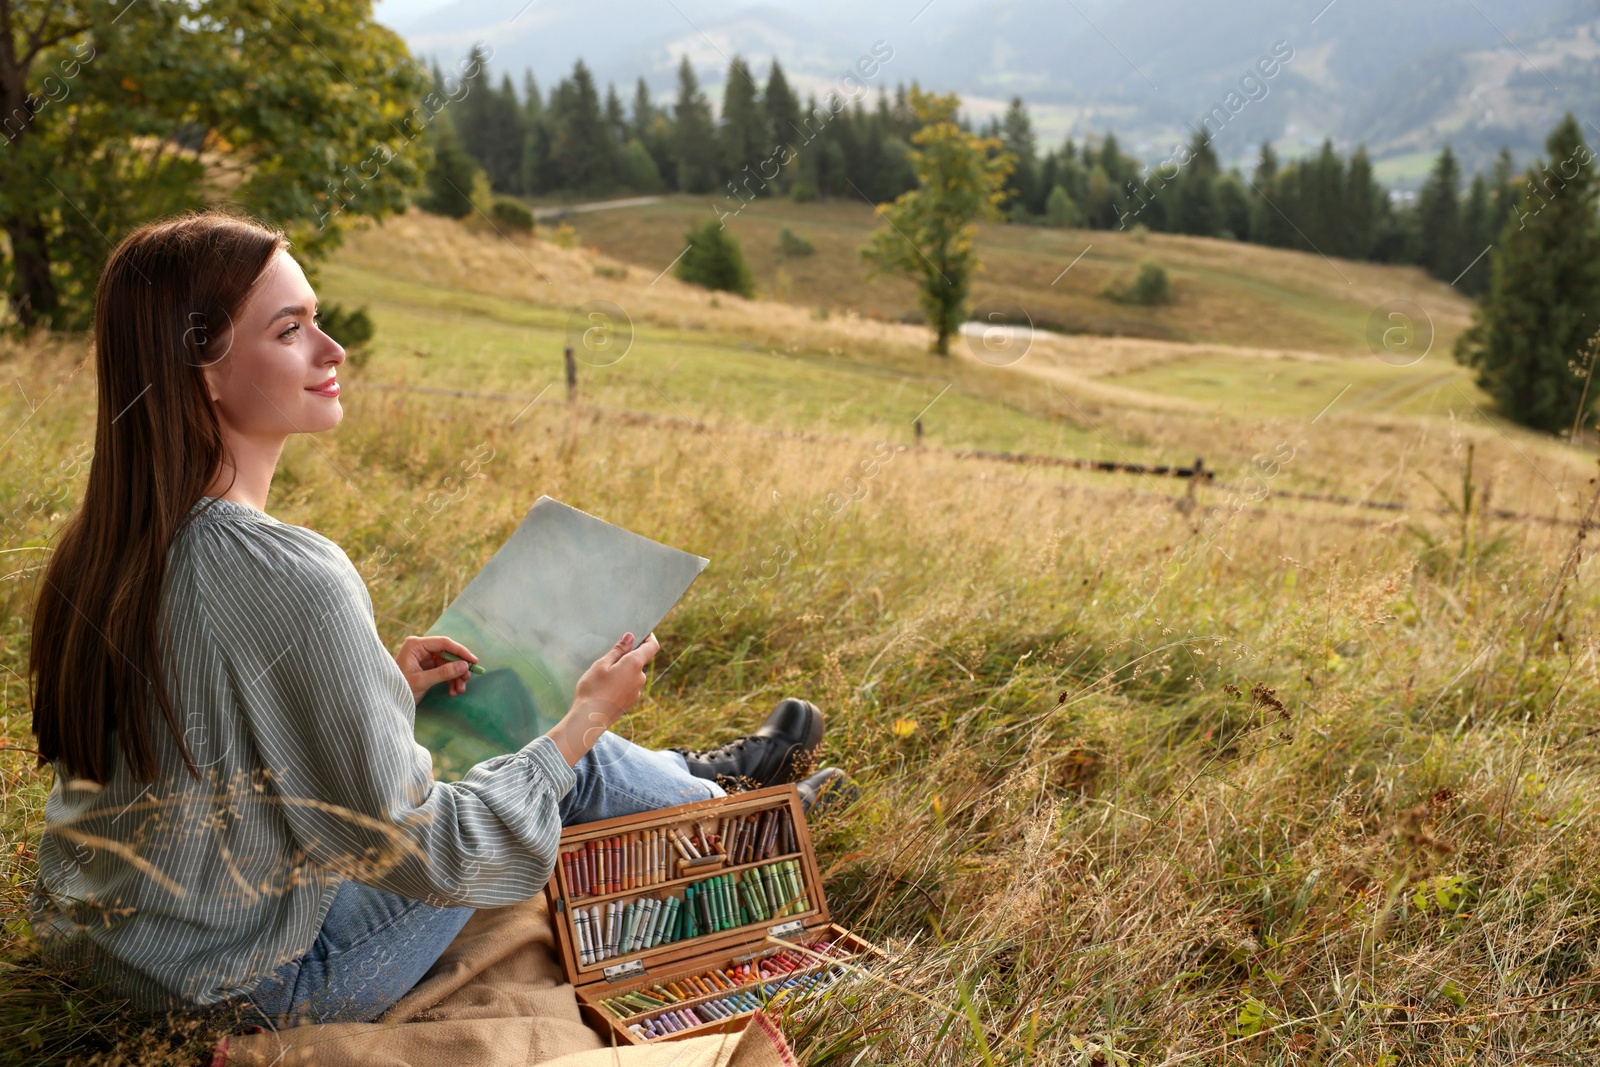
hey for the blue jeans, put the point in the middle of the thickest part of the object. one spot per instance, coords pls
(375, 945)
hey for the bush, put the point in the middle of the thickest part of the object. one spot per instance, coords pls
(509, 214)
(791, 246)
(1149, 287)
(351, 329)
(713, 259)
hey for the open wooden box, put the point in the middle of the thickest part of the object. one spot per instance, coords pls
(682, 921)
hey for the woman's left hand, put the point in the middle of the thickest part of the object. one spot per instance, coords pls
(424, 668)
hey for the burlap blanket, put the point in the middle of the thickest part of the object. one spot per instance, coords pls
(496, 998)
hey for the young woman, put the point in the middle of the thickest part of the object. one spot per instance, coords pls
(241, 816)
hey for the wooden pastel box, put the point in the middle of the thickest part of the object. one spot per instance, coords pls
(684, 920)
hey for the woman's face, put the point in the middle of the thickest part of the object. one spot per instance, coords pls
(275, 359)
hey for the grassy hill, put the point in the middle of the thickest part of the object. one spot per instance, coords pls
(1149, 778)
(1227, 292)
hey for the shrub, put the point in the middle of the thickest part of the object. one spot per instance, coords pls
(714, 260)
(509, 214)
(351, 329)
(791, 246)
(1149, 286)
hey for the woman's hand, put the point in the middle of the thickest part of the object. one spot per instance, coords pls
(608, 688)
(424, 667)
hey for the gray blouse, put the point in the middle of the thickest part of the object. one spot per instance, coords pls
(300, 722)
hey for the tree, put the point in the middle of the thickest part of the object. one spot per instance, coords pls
(1365, 205)
(929, 230)
(109, 121)
(694, 146)
(1059, 210)
(742, 140)
(714, 260)
(1543, 302)
(581, 145)
(447, 188)
(1439, 244)
(1195, 205)
(783, 108)
(1023, 195)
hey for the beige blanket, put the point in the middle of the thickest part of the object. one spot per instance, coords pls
(496, 998)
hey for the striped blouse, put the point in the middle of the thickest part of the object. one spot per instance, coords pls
(187, 891)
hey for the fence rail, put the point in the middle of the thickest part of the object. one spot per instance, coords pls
(1195, 473)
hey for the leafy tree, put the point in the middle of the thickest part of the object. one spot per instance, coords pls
(1543, 302)
(115, 114)
(929, 230)
(1059, 210)
(715, 261)
(693, 136)
(639, 171)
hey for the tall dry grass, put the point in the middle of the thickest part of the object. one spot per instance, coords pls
(1146, 779)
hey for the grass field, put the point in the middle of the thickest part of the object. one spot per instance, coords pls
(1148, 778)
(1226, 292)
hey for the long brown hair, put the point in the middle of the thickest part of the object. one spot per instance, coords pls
(163, 309)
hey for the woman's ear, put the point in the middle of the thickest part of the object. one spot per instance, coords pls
(211, 374)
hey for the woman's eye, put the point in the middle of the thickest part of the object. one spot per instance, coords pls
(289, 331)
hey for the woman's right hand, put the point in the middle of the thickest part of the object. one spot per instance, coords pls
(606, 690)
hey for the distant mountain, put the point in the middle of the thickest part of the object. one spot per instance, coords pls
(1402, 76)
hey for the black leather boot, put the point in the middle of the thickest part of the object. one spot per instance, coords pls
(783, 749)
(829, 788)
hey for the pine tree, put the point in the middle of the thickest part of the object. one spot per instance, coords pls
(694, 147)
(582, 148)
(1194, 205)
(1476, 237)
(644, 111)
(714, 260)
(1543, 302)
(1233, 206)
(1439, 243)
(1322, 187)
(1364, 206)
(1016, 137)
(1268, 225)
(617, 128)
(742, 141)
(783, 109)
(534, 159)
(447, 187)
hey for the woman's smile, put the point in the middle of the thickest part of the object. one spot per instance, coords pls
(327, 388)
